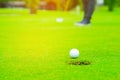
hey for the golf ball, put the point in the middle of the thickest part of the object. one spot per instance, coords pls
(74, 53)
(59, 20)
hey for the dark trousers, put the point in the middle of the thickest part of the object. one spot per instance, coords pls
(88, 6)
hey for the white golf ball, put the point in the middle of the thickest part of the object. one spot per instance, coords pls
(74, 53)
(59, 20)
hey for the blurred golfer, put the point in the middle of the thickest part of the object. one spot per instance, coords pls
(88, 6)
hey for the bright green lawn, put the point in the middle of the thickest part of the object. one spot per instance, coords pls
(36, 47)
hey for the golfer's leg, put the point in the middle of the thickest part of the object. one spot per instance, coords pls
(88, 6)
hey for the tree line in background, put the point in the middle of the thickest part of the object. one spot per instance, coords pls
(110, 3)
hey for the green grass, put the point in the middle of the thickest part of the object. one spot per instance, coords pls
(36, 47)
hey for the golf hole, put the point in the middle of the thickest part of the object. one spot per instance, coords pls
(79, 63)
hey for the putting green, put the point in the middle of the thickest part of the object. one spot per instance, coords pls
(36, 47)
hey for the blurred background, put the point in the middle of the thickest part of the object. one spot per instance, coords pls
(55, 4)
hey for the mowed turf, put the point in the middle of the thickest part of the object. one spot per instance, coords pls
(36, 47)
